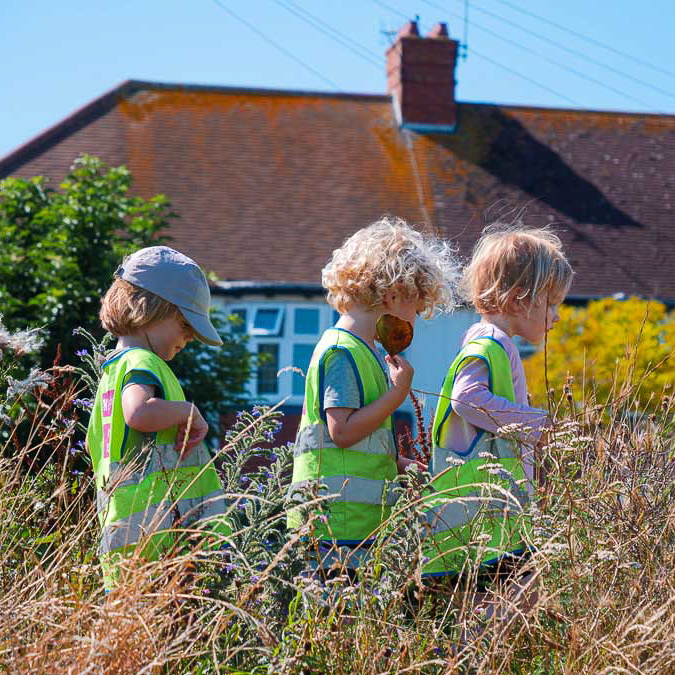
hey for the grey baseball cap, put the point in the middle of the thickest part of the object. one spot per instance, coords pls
(178, 280)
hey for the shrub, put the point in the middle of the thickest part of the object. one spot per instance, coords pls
(595, 346)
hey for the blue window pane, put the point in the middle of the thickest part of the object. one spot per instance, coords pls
(302, 355)
(238, 320)
(268, 366)
(306, 321)
(336, 316)
(266, 320)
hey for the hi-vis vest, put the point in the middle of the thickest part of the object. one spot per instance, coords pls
(474, 495)
(154, 495)
(365, 499)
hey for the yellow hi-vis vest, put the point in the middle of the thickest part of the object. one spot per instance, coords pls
(154, 495)
(473, 495)
(361, 475)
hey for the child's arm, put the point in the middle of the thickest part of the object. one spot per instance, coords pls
(348, 426)
(473, 401)
(146, 413)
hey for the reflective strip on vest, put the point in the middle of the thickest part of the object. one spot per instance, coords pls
(356, 489)
(499, 448)
(458, 511)
(316, 436)
(160, 459)
(158, 517)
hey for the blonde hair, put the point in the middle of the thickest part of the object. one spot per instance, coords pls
(391, 254)
(126, 308)
(512, 264)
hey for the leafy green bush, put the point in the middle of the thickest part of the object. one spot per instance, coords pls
(60, 248)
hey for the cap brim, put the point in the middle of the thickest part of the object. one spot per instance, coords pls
(204, 330)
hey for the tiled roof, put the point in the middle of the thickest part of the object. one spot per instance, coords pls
(268, 183)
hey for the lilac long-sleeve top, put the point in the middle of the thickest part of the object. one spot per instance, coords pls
(475, 407)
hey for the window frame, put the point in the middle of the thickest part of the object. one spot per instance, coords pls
(285, 337)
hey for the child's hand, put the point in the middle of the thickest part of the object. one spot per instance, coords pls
(401, 372)
(191, 432)
(403, 463)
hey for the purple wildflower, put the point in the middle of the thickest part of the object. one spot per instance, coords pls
(84, 403)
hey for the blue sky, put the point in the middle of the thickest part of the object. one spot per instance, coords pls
(58, 56)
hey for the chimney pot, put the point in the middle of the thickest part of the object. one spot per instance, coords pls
(440, 30)
(408, 30)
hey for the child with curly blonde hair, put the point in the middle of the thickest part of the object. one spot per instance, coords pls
(346, 437)
(517, 279)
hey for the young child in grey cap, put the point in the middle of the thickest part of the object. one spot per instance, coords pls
(154, 476)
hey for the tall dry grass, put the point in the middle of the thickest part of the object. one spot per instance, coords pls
(604, 566)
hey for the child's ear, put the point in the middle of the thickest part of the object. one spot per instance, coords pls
(518, 301)
(389, 298)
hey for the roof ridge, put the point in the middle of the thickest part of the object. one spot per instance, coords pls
(103, 103)
(585, 111)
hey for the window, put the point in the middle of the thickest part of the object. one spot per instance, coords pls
(268, 321)
(268, 367)
(238, 323)
(306, 321)
(282, 334)
(302, 355)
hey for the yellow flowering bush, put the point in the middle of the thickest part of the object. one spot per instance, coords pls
(618, 349)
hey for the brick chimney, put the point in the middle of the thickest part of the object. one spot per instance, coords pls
(421, 78)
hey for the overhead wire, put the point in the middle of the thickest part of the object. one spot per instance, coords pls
(275, 44)
(589, 39)
(546, 58)
(569, 50)
(336, 35)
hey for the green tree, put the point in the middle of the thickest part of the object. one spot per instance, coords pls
(618, 349)
(59, 249)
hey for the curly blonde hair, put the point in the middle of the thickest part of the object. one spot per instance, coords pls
(391, 254)
(513, 264)
(126, 308)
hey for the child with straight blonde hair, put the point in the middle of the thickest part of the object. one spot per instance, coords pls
(517, 279)
(346, 438)
(154, 476)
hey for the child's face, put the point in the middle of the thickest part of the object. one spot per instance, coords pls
(534, 322)
(169, 336)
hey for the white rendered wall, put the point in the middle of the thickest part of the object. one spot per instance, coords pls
(433, 349)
